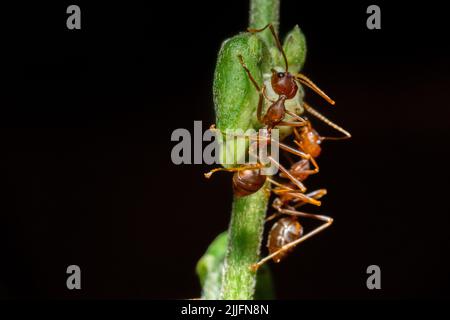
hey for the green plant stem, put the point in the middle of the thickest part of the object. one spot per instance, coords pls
(248, 213)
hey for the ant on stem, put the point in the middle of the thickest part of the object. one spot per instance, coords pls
(248, 179)
(284, 84)
(287, 232)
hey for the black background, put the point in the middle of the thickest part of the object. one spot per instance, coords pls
(87, 179)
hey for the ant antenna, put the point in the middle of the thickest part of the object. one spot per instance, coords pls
(321, 117)
(306, 81)
(277, 40)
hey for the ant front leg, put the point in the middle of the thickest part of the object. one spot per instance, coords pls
(289, 149)
(296, 196)
(327, 222)
(241, 168)
(294, 180)
(278, 204)
(261, 92)
(317, 194)
(299, 123)
(301, 154)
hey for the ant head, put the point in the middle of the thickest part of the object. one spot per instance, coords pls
(283, 83)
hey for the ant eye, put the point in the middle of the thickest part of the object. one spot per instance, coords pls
(280, 74)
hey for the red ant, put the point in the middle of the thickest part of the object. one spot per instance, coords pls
(285, 86)
(275, 114)
(287, 232)
(248, 179)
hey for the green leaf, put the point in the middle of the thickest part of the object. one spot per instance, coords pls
(295, 48)
(235, 97)
(209, 267)
(210, 270)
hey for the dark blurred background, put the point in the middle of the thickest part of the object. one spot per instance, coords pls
(87, 179)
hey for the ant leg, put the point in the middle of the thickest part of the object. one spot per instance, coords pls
(327, 222)
(304, 198)
(285, 189)
(281, 186)
(261, 92)
(307, 82)
(241, 60)
(288, 174)
(321, 117)
(260, 106)
(301, 122)
(265, 95)
(297, 134)
(277, 41)
(241, 168)
(298, 196)
(300, 154)
(295, 116)
(317, 194)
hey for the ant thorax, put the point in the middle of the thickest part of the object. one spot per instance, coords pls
(294, 105)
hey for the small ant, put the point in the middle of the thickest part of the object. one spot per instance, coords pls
(275, 114)
(308, 141)
(248, 179)
(287, 232)
(285, 86)
(285, 83)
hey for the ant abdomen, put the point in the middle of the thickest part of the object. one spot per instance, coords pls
(284, 231)
(247, 182)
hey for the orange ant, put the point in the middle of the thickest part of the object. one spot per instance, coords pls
(309, 140)
(287, 232)
(248, 179)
